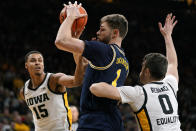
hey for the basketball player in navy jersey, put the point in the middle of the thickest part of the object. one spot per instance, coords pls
(45, 93)
(155, 104)
(107, 62)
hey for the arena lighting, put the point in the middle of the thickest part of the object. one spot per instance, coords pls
(106, 1)
(189, 2)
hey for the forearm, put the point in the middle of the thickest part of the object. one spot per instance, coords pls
(80, 70)
(65, 41)
(76, 57)
(170, 51)
(64, 34)
(105, 90)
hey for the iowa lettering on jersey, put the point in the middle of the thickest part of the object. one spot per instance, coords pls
(158, 90)
(167, 120)
(38, 99)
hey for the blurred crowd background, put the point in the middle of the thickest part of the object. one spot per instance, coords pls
(33, 25)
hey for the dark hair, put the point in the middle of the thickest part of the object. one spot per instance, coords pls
(117, 21)
(32, 52)
(157, 64)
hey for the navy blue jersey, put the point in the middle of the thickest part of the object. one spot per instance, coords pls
(107, 63)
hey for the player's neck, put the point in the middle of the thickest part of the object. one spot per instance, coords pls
(37, 80)
(153, 80)
(116, 41)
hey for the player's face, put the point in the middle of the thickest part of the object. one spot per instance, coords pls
(104, 34)
(35, 64)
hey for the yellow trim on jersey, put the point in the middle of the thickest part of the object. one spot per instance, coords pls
(114, 83)
(104, 67)
(143, 120)
(69, 114)
(121, 51)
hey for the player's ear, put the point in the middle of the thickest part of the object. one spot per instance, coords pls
(147, 72)
(115, 33)
(25, 65)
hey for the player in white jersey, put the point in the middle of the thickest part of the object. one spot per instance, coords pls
(45, 93)
(155, 104)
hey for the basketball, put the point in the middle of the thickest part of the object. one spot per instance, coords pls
(79, 23)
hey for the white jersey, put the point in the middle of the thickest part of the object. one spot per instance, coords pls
(50, 110)
(155, 104)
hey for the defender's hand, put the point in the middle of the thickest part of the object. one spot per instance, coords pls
(170, 23)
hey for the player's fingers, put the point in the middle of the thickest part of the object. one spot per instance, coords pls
(69, 3)
(75, 3)
(64, 5)
(79, 5)
(83, 15)
(170, 15)
(160, 26)
(167, 18)
(172, 19)
(175, 23)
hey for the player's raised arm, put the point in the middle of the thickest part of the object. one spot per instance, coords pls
(59, 81)
(64, 40)
(106, 90)
(166, 31)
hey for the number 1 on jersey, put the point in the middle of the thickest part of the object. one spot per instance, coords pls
(114, 83)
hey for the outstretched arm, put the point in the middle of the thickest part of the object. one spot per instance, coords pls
(103, 89)
(59, 81)
(64, 40)
(166, 32)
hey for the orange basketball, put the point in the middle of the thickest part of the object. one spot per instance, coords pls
(79, 23)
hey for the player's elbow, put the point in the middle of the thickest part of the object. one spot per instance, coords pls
(59, 43)
(95, 90)
(77, 83)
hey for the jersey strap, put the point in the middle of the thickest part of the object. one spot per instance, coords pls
(172, 90)
(69, 114)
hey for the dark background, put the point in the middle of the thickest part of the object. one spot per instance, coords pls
(32, 25)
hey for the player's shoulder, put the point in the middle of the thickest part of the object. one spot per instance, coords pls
(171, 79)
(93, 42)
(97, 44)
(118, 49)
(136, 90)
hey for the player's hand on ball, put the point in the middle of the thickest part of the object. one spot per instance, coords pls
(73, 10)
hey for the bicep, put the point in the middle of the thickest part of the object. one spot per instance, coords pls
(111, 92)
(66, 80)
(59, 81)
(105, 90)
